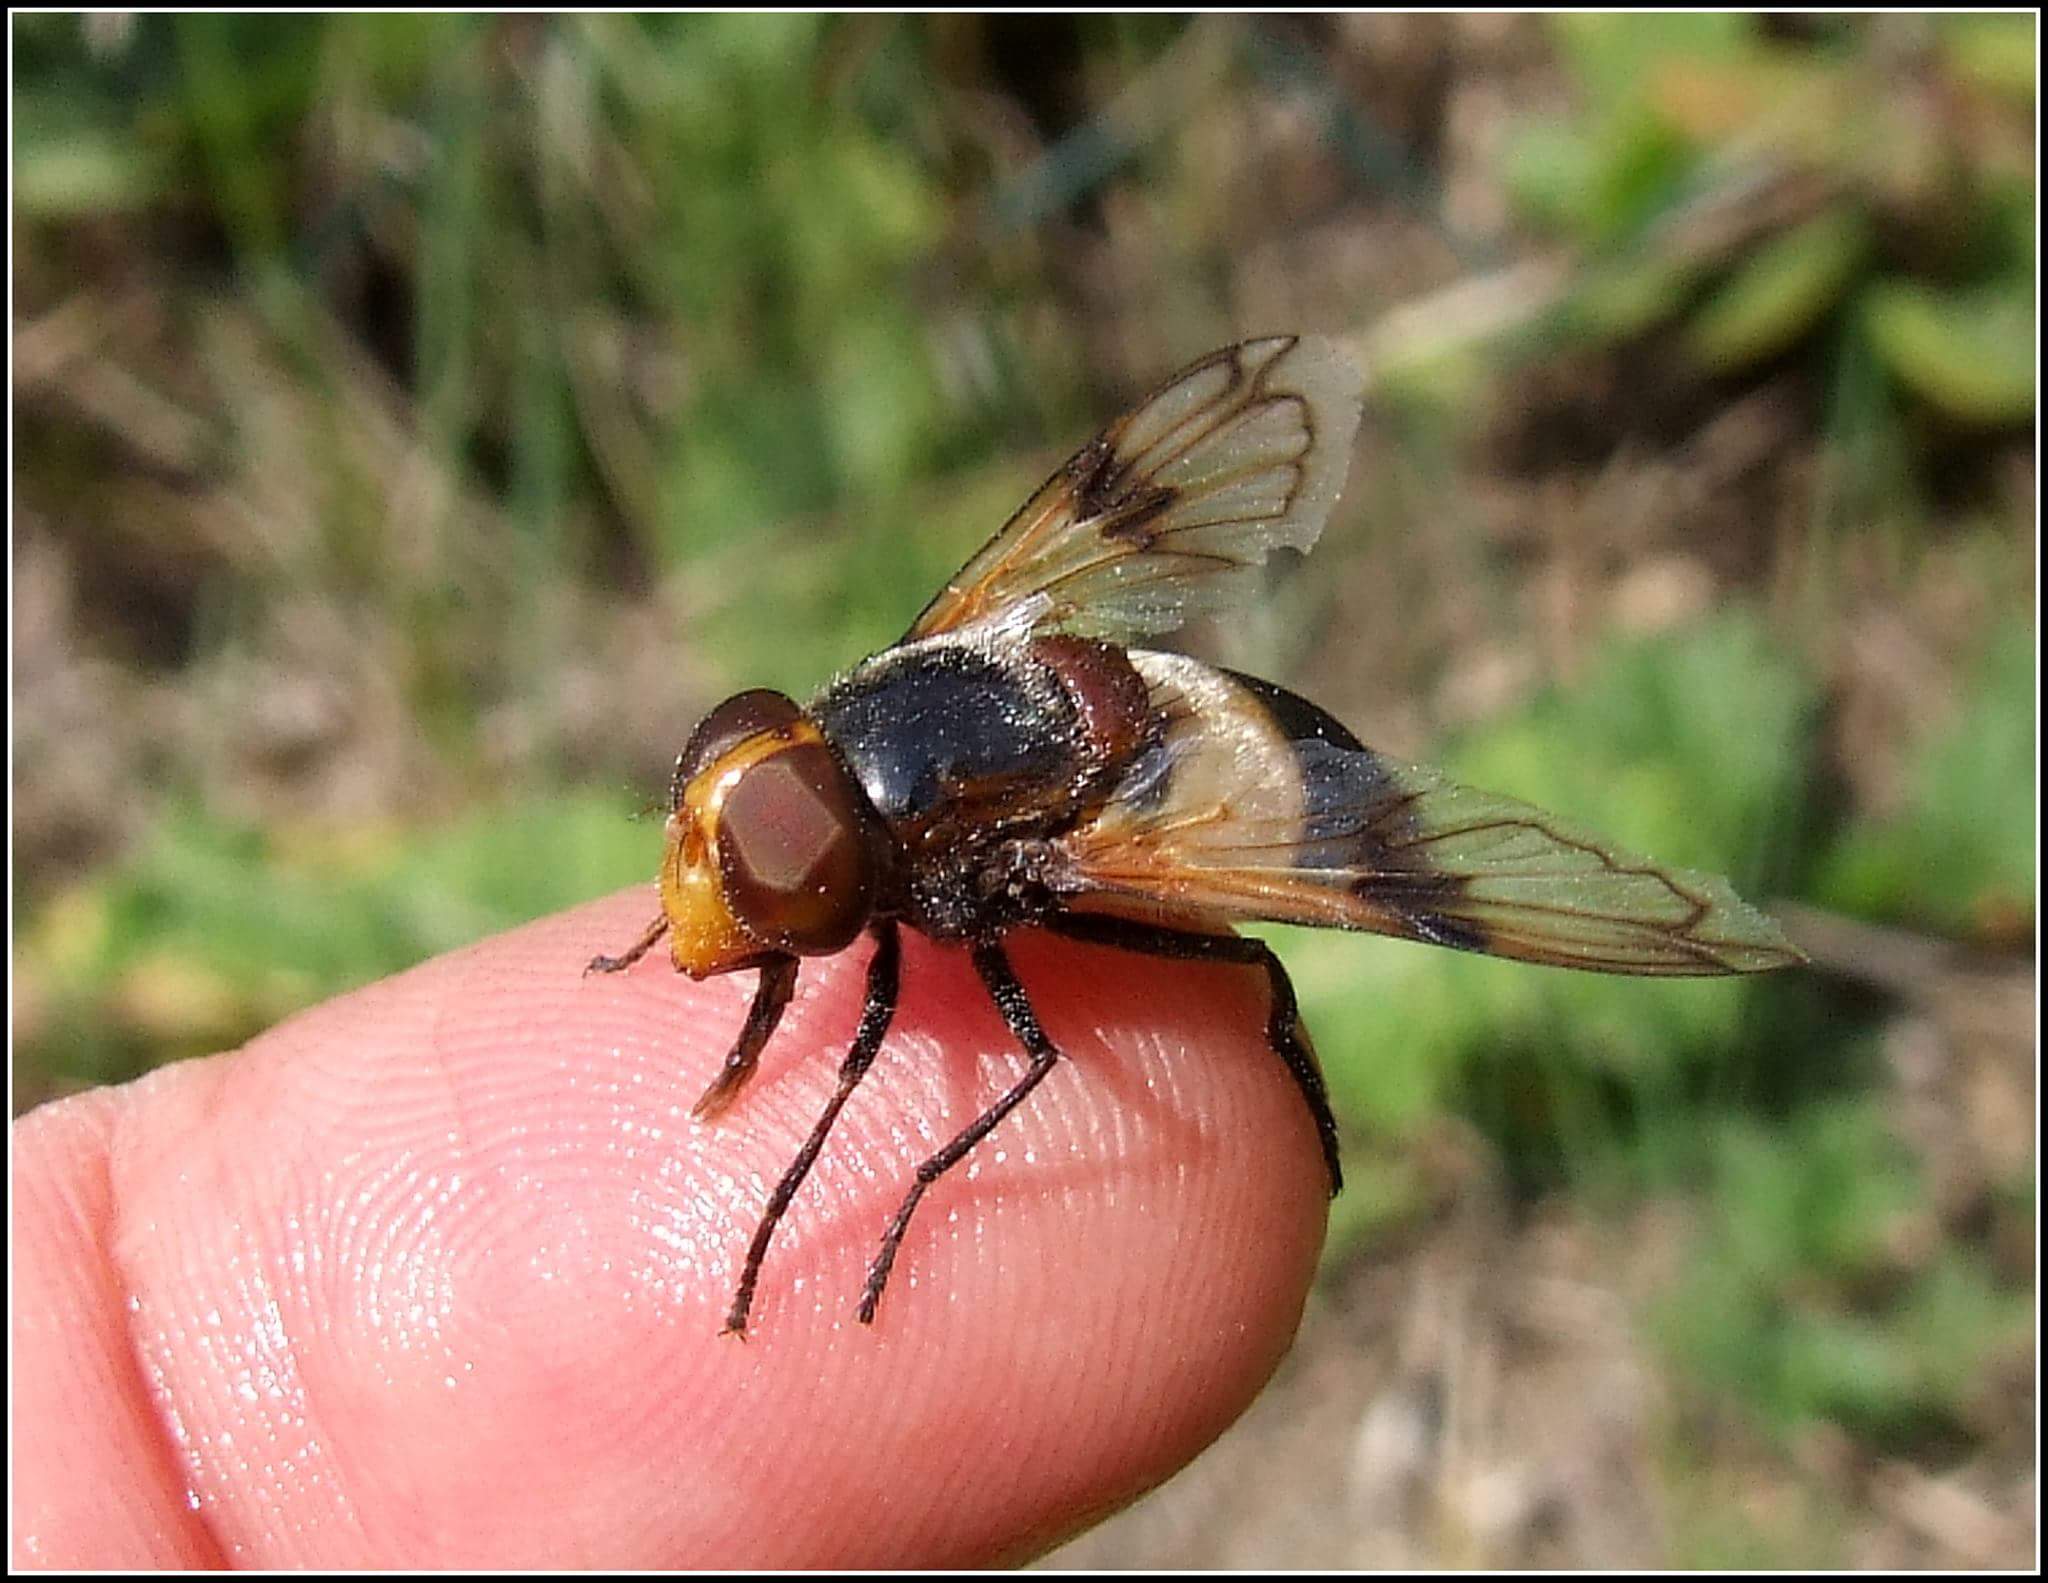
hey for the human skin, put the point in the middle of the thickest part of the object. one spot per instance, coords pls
(434, 1274)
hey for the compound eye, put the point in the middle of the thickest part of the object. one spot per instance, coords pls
(793, 848)
(741, 716)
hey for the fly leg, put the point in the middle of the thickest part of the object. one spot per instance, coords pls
(771, 994)
(1284, 1030)
(876, 1013)
(635, 951)
(993, 964)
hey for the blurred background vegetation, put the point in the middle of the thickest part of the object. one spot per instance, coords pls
(419, 420)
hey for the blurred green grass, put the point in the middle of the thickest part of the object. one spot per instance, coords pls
(427, 415)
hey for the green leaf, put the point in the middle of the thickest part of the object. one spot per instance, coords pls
(1779, 292)
(1968, 351)
(1623, 297)
(1549, 170)
(82, 172)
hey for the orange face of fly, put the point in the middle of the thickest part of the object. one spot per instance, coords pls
(770, 850)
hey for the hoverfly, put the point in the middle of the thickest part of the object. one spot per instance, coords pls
(1010, 762)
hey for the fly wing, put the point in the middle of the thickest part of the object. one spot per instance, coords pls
(1254, 804)
(1165, 511)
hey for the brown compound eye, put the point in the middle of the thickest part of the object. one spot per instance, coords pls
(794, 849)
(741, 716)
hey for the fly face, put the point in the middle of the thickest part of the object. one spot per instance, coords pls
(771, 848)
(1153, 801)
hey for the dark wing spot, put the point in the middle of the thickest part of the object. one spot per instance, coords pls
(1420, 900)
(1107, 493)
(1099, 476)
(1134, 519)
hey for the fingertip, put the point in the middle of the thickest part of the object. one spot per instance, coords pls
(471, 1213)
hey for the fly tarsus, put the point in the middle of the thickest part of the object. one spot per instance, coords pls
(1284, 1031)
(633, 952)
(993, 964)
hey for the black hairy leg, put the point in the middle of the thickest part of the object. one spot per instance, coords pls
(1284, 1030)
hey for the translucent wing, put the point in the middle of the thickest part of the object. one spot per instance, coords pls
(1254, 804)
(1167, 509)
